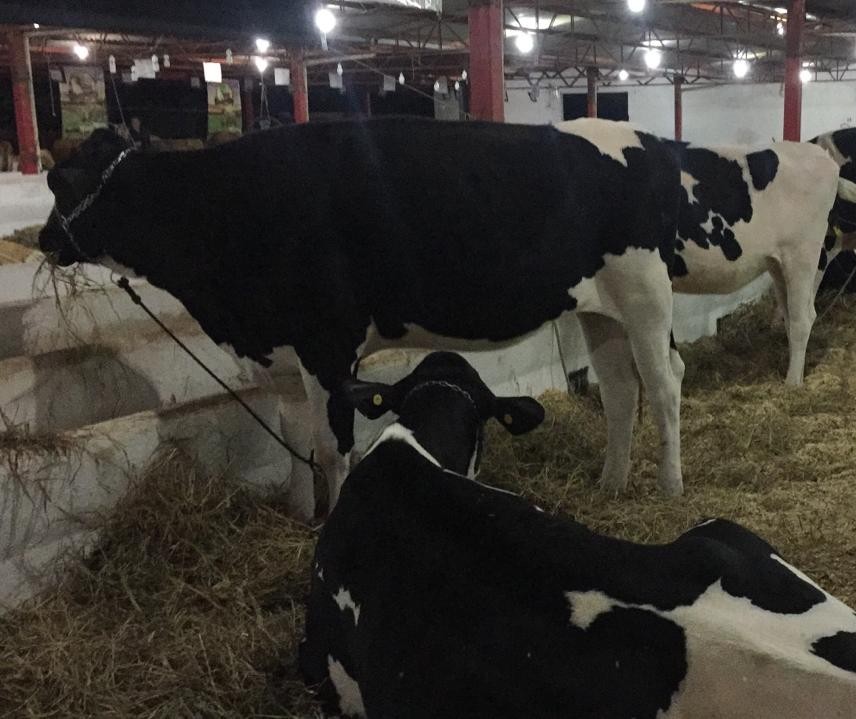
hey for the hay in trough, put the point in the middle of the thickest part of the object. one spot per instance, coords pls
(191, 604)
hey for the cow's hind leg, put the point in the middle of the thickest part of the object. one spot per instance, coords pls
(612, 360)
(799, 280)
(660, 366)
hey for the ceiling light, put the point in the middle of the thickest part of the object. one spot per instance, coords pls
(81, 51)
(623, 75)
(325, 20)
(262, 44)
(780, 27)
(524, 42)
(36, 25)
(636, 5)
(805, 75)
(741, 68)
(261, 63)
(653, 58)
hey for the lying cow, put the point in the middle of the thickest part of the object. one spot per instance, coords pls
(743, 214)
(436, 597)
(339, 239)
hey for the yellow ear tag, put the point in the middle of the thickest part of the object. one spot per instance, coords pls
(507, 419)
(377, 400)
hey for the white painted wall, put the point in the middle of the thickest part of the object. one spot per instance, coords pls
(742, 114)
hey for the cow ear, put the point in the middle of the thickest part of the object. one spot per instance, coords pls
(371, 399)
(519, 414)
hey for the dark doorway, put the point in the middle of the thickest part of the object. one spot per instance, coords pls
(610, 106)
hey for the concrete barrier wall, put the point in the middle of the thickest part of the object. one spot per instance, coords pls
(24, 200)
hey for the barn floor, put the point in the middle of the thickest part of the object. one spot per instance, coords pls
(191, 605)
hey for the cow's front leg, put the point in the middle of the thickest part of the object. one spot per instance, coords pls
(332, 422)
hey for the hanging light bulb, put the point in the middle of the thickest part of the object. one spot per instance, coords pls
(262, 44)
(636, 6)
(81, 51)
(111, 63)
(401, 78)
(464, 75)
(155, 63)
(261, 63)
(653, 58)
(805, 75)
(741, 68)
(165, 60)
(457, 86)
(524, 42)
(229, 58)
(780, 27)
(325, 21)
(623, 75)
(339, 69)
(437, 86)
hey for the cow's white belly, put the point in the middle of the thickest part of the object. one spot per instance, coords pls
(711, 273)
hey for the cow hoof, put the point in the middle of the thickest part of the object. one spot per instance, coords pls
(672, 487)
(612, 485)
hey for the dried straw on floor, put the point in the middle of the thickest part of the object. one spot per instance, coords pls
(191, 604)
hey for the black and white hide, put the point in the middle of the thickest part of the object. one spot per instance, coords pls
(436, 597)
(336, 239)
(744, 213)
(835, 267)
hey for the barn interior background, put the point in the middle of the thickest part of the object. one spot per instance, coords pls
(91, 390)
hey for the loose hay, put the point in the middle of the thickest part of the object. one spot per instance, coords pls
(191, 605)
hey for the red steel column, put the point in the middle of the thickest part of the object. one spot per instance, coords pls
(679, 108)
(25, 108)
(487, 72)
(793, 61)
(299, 88)
(591, 77)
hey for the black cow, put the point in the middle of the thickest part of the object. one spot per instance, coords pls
(436, 597)
(337, 239)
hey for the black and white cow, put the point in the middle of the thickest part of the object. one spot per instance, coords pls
(841, 145)
(436, 597)
(745, 213)
(339, 239)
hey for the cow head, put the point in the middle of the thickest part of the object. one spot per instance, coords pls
(71, 182)
(445, 403)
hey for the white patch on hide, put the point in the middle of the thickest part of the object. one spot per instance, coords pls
(587, 606)
(611, 138)
(350, 697)
(688, 182)
(399, 433)
(624, 280)
(344, 601)
(729, 639)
